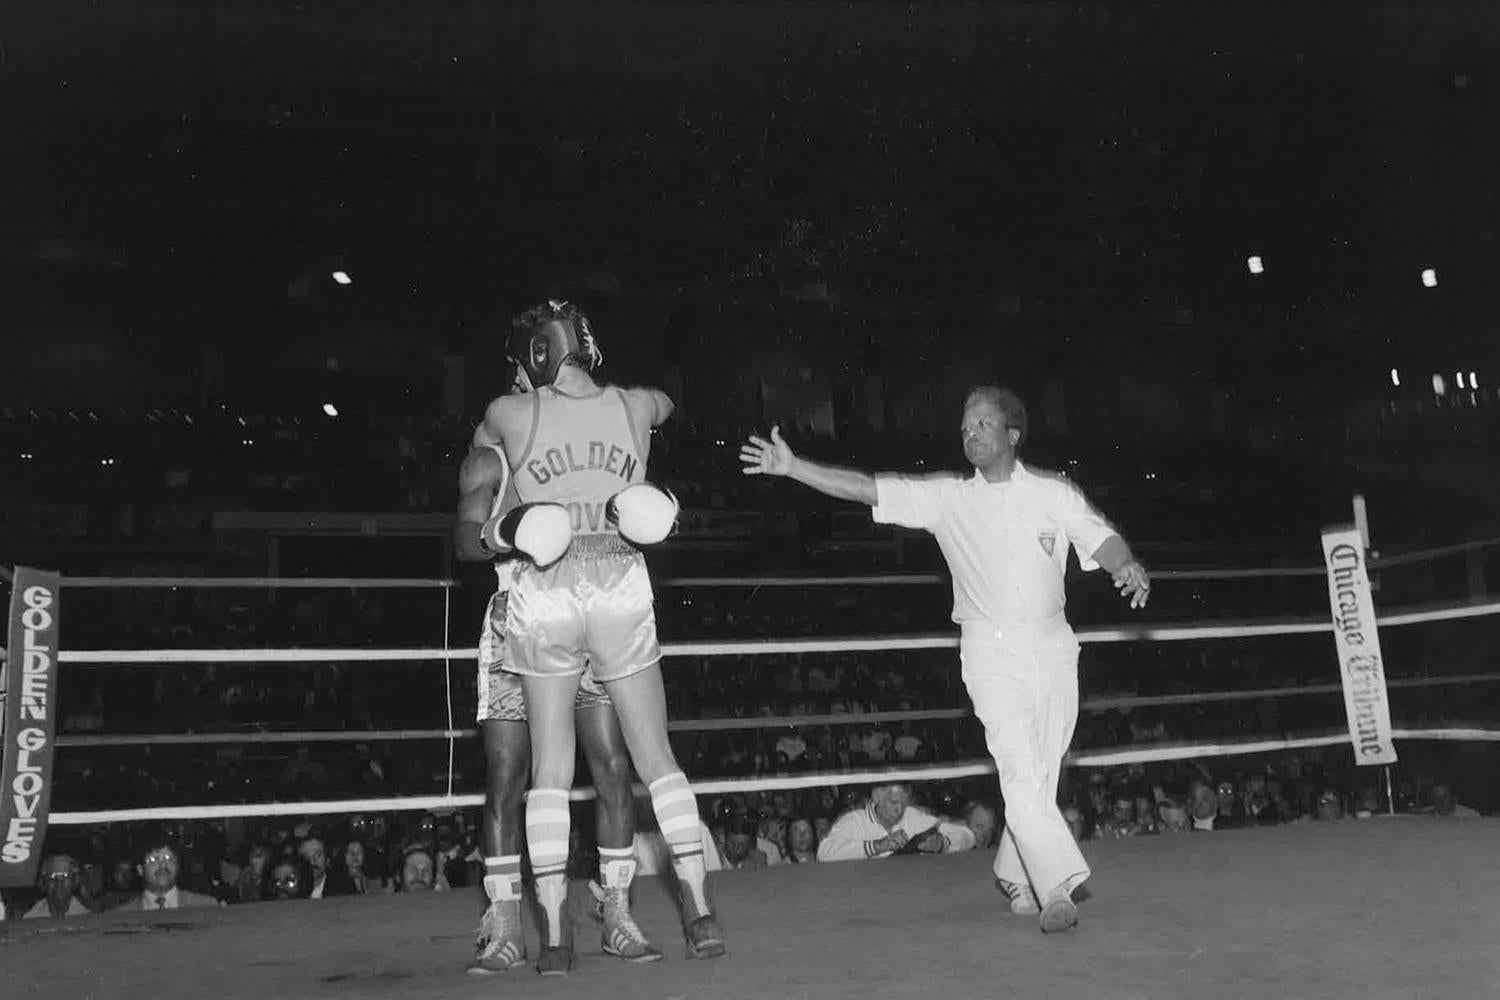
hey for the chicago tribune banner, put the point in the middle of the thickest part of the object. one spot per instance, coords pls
(1360, 662)
(28, 705)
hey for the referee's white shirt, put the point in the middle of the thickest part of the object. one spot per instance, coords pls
(1006, 544)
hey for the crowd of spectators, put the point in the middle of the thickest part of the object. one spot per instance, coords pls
(136, 867)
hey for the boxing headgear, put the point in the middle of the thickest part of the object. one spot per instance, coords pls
(544, 337)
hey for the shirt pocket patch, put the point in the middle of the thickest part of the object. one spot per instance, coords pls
(1047, 538)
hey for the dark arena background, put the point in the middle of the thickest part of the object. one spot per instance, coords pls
(258, 263)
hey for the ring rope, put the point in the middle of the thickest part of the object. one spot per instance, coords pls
(941, 772)
(890, 579)
(1155, 633)
(1099, 704)
(256, 582)
(912, 579)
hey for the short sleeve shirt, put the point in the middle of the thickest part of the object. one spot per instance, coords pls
(1006, 544)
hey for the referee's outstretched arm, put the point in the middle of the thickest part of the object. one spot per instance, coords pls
(774, 458)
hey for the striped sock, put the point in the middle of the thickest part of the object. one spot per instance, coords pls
(677, 815)
(502, 878)
(547, 823)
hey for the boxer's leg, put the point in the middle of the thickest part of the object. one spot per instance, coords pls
(549, 705)
(609, 764)
(507, 754)
(544, 632)
(626, 656)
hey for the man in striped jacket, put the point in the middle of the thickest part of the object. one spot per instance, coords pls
(886, 825)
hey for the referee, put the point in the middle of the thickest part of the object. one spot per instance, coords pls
(1005, 533)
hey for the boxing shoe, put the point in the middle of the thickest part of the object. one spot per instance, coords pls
(700, 928)
(623, 938)
(501, 945)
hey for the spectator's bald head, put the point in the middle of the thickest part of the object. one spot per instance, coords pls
(890, 802)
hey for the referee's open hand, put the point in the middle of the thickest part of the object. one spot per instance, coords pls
(766, 458)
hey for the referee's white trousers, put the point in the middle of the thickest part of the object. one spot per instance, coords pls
(1024, 684)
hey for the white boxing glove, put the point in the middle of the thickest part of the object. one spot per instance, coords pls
(541, 531)
(644, 514)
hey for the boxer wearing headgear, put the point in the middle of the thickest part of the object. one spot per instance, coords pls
(491, 519)
(574, 442)
(546, 337)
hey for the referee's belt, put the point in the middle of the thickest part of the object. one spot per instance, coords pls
(1024, 631)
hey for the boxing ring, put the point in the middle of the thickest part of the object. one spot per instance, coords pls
(1391, 906)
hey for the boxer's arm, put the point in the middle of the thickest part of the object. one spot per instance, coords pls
(478, 478)
(652, 405)
(506, 417)
(491, 430)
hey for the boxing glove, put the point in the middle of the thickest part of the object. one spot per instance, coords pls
(643, 514)
(540, 531)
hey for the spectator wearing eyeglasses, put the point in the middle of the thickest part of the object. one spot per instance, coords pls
(1230, 815)
(58, 880)
(159, 869)
(287, 879)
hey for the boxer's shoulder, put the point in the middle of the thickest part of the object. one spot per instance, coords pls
(649, 403)
(482, 467)
(484, 458)
(510, 407)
